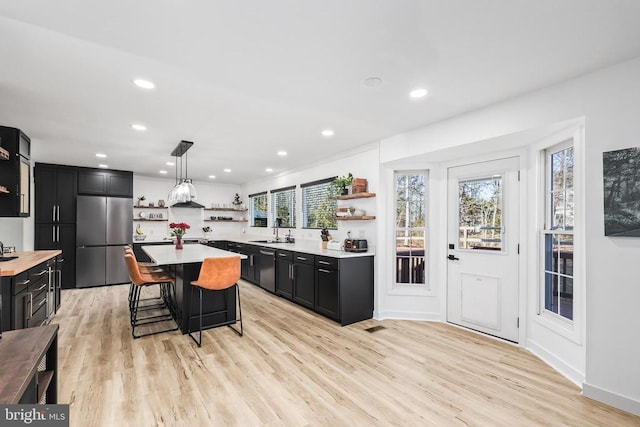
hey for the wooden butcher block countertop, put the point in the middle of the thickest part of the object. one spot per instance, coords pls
(25, 261)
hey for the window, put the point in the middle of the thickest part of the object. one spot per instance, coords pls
(318, 205)
(283, 206)
(410, 227)
(258, 207)
(558, 230)
(480, 213)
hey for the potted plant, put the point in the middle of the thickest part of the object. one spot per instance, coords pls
(340, 184)
(179, 229)
(237, 203)
(141, 201)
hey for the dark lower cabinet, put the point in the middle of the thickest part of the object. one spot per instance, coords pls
(303, 280)
(328, 292)
(284, 274)
(63, 237)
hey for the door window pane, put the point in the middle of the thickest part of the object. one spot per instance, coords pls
(258, 204)
(480, 213)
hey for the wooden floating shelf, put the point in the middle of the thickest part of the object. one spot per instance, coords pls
(225, 220)
(226, 209)
(356, 196)
(150, 207)
(355, 218)
(150, 219)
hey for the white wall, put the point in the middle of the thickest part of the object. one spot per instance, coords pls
(608, 100)
(155, 189)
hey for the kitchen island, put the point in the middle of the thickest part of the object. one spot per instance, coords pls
(184, 264)
(29, 289)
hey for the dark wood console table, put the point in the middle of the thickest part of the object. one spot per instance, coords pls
(21, 353)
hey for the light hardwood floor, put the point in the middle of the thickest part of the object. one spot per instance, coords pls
(295, 368)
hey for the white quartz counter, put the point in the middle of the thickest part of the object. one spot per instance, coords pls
(168, 254)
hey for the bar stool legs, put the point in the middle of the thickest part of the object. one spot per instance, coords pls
(198, 341)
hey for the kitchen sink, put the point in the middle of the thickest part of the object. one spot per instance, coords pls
(7, 258)
(267, 241)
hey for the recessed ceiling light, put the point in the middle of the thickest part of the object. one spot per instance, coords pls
(212, 177)
(227, 170)
(418, 93)
(163, 172)
(282, 153)
(269, 170)
(144, 84)
(328, 133)
(170, 164)
(373, 82)
(101, 155)
(102, 165)
(138, 127)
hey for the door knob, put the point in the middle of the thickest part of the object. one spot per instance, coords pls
(453, 258)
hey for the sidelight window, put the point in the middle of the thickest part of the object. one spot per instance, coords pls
(410, 227)
(558, 230)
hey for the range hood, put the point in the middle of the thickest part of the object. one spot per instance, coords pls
(183, 194)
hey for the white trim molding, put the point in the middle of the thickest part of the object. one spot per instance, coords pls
(610, 398)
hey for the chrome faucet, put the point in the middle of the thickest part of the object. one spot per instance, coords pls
(276, 226)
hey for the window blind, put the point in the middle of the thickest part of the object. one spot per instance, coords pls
(283, 206)
(258, 207)
(318, 205)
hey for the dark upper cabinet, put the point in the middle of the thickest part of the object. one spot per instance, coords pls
(105, 182)
(55, 193)
(15, 173)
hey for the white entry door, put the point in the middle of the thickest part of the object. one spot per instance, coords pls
(483, 267)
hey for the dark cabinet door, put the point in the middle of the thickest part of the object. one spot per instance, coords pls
(46, 237)
(284, 278)
(105, 182)
(21, 305)
(45, 192)
(328, 292)
(304, 284)
(67, 260)
(66, 182)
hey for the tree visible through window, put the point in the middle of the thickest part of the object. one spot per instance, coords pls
(410, 227)
(283, 206)
(558, 230)
(318, 205)
(258, 206)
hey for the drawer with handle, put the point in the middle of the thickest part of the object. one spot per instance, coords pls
(303, 258)
(327, 262)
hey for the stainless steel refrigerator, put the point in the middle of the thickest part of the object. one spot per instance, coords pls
(103, 229)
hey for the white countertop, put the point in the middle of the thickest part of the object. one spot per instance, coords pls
(168, 254)
(312, 247)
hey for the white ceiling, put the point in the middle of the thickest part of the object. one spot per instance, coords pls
(244, 79)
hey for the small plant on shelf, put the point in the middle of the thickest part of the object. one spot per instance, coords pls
(141, 200)
(237, 203)
(340, 183)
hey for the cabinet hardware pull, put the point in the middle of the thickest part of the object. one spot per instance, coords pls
(58, 213)
(58, 234)
(293, 272)
(301, 258)
(53, 214)
(24, 282)
(42, 302)
(42, 272)
(324, 262)
(267, 253)
(322, 270)
(59, 279)
(42, 287)
(30, 305)
(53, 233)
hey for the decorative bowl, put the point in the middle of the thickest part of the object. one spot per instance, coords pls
(139, 237)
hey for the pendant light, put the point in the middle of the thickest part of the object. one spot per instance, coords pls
(183, 193)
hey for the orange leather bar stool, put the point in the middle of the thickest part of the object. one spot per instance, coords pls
(164, 303)
(144, 267)
(217, 274)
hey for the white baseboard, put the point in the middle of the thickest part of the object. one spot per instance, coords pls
(407, 315)
(610, 398)
(559, 365)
